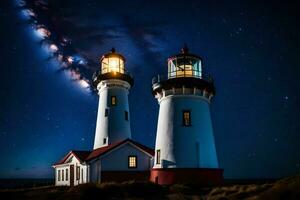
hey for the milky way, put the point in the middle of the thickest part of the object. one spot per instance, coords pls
(58, 46)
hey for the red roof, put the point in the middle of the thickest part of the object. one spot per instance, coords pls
(80, 155)
(102, 150)
(89, 155)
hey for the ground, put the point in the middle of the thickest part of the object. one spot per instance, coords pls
(288, 188)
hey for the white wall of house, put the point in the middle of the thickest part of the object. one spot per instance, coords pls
(65, 179)
(117, 160)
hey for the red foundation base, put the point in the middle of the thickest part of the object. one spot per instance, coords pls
(201, 176)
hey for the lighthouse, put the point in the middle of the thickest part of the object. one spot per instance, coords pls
(115, 156)
(185, 148)
(113, 83)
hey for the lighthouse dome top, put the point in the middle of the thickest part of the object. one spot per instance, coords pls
(184, 65)
(112, 62)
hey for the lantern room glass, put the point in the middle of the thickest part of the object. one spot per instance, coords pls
(112, 64)
(184, 66)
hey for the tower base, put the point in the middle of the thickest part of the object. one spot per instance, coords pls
(201, 176)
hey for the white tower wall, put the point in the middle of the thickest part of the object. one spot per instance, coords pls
(113, 127)
(185, 146)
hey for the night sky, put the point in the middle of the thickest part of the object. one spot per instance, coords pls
(251, 49)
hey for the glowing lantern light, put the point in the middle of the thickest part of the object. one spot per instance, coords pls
(112, 62)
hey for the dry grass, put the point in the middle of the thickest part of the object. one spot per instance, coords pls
(286, 189)
(110, 190)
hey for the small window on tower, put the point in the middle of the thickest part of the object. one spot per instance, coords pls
(113, 100)
(132, 162)
(186, 118)
(106, 112)
(104, 140)
(158, 156)
(126, 115)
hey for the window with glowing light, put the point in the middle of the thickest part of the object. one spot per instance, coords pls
(112, 64)
(186, 118)
(113, 100)
(132, 161)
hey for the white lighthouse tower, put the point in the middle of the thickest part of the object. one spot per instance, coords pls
(185, 147)
(113, 84)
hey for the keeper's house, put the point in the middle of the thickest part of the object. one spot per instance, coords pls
(121, 161)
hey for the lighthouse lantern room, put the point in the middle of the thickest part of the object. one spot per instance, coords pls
(112, 62)
(184, 65)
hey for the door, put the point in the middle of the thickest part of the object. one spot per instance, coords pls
(71, 175)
